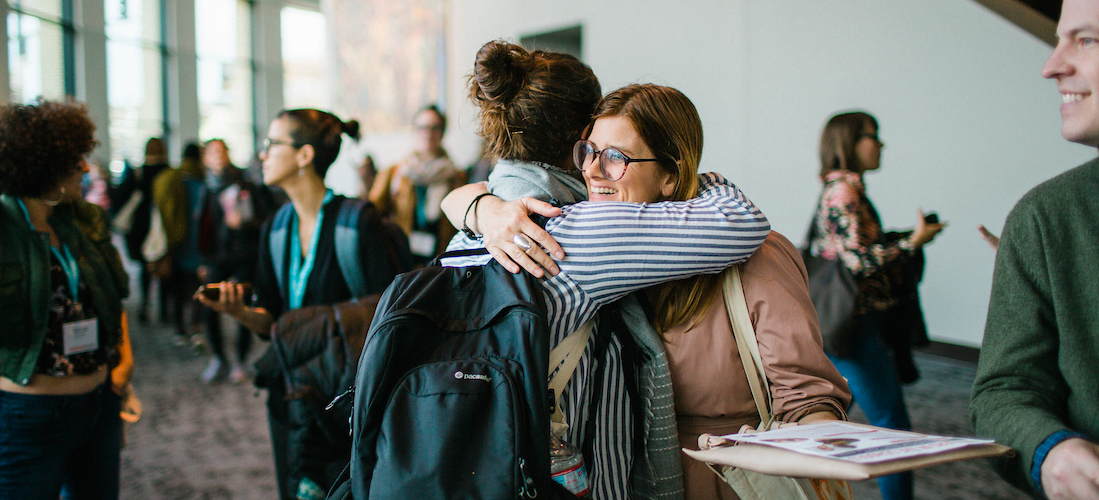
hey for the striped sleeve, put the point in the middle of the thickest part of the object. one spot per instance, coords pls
(614, 248)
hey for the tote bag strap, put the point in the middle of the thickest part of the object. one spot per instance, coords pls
(562, 365)
(745, 336)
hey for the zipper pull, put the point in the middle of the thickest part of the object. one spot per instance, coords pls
(349, 392)
(528, 488)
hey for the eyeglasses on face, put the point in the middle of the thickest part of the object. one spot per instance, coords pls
(268, 142)
(612, 162)
(430, 128)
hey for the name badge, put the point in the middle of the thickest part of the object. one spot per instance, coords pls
(80, 336)
(422, 243)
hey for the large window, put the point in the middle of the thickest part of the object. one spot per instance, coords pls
(223, 42)
(40, 49)
(305, 78)
(135, 77)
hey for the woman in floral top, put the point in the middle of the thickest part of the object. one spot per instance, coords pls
(848, 229)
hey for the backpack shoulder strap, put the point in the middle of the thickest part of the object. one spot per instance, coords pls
(278, 242)
(347, 246)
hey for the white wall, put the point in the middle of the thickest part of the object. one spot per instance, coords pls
(968, 122)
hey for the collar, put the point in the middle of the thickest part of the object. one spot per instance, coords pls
(846, 176)
(11, 206)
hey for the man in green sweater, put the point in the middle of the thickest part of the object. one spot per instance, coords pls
(1037, 386)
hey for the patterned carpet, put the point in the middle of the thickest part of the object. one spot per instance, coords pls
(938, 403)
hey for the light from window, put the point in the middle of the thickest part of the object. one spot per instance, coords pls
(305, 75)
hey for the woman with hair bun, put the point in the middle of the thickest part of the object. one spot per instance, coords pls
(535, 109)
(301, 145)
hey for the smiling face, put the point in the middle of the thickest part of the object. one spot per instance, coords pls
(643, 181)
(1075, 65)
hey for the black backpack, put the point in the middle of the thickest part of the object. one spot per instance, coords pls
(451, 396)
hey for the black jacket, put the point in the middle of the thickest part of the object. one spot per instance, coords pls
(315, 352)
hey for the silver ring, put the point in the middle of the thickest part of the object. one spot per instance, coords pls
(521, 241)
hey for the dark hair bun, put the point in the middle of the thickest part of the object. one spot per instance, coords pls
(500, 71)
(351, 128)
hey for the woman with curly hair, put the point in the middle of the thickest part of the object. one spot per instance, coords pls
(61, 291)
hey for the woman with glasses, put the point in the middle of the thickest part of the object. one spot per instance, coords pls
(409, 192)
(61, 291)
(620, 163)
(642, 242)
(847, 228)
(301, 144)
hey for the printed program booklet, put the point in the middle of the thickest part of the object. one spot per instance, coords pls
(843, 450)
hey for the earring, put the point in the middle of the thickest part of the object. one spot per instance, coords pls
(54, 203)
(301, 172)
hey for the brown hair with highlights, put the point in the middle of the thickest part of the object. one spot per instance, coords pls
(669, 124)
(533, 105)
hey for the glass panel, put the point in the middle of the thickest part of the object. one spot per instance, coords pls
(133, 20)
(134, 93)
(50, 9)
(303, 60)
(134, 76)
(36, 60)
(223, 44)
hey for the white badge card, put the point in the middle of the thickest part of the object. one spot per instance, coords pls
(80, 336)
(422, 243)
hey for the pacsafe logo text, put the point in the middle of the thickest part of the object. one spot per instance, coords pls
(471, 376)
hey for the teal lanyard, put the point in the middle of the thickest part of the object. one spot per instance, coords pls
(299, 272)
(67, 261)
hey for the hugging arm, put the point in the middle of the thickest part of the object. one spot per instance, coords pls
(614, 248)
(499, 221)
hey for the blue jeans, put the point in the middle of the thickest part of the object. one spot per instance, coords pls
(873, 380)
(66, 446)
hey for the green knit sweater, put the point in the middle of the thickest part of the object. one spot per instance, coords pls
(1039, 366)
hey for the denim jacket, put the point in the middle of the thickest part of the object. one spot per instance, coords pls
(24, 279)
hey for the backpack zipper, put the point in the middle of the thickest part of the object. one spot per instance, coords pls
(339, 399)
(528, 489)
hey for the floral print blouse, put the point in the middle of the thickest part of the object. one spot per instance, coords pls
(848, 228)
(52, 360)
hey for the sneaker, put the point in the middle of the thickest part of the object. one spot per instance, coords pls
(198, 342)
(212, 372)
(237, 375)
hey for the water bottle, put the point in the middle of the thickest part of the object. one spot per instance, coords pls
(567, 467)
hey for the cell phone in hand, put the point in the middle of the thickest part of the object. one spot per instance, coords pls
(931, 218)
(212, 291)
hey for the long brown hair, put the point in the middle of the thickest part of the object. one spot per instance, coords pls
(669, 124)
(838, 140)
(533, 105)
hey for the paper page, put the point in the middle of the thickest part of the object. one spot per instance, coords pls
(855, 443)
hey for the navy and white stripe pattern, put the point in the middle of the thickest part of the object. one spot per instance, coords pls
(613, 249)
